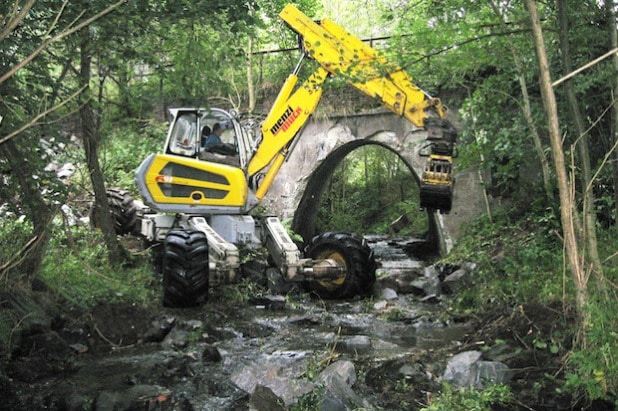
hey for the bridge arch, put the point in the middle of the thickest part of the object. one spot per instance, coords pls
(296, 192)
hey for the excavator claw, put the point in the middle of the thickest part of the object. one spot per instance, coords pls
(437, 180)
(437, 184)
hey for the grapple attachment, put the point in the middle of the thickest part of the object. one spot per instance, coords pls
(437, 184)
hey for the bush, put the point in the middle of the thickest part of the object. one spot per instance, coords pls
(77, 270)
(125, 147)
(518, 261)
(15, 233)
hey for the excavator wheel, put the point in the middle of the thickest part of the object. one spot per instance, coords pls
(124, 211)
(353, 254)
(185, 268)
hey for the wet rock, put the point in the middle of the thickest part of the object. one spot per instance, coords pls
(389, 294)
(139, 397)
(269, 302)
(466, 369)
(456, 281)
(459, 368)
(264, 399)
(386, 376)
(339, 396)
(380, 305)
(342, 369)
(412, 372)
(356, 345)
(429, 284)
(159, 329)
(182, 334)
(211, 354)
(279, 372)
(400, 282)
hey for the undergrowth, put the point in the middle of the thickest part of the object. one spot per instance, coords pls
(520, 261)
(76, 270)
(469, 399)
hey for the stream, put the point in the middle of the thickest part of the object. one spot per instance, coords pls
(272, 352)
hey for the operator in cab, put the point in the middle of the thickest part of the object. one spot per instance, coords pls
(214, 144)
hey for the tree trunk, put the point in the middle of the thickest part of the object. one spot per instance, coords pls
(536, 138)
(124, 94)
(101, 210)
(250, 85)
(589, 220)
(609, 5)
(38, 211)
(564, 185)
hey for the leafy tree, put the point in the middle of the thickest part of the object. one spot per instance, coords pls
(370, 189)
(28, 34)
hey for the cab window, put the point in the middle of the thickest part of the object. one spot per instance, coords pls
(183, 140)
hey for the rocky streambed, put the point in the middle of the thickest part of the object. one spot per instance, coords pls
(270, 351)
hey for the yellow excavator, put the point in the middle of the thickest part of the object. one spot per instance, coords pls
(197, 196)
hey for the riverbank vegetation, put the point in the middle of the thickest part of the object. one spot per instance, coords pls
(83, 95)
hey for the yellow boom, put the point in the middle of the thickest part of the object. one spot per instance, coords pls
(341, 54)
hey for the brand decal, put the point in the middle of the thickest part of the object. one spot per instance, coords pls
(286, 120)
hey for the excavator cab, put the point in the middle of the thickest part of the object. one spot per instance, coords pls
(186, 179)
(190, 128)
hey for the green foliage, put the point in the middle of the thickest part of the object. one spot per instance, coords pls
(309, 401)
(519, 260)
(14, 234)
(125, 147)
(77, 271)
(240, 292)
(470, 399)
(370, 189)
(593, 369)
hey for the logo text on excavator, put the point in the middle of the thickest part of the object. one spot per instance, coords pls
(286, 120)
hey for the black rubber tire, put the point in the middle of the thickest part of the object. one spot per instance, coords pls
(185, 268)
(351, 251)
(124, 209)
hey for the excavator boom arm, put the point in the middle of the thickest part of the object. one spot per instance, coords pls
(341, 54)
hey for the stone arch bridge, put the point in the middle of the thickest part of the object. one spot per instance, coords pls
(296, 192)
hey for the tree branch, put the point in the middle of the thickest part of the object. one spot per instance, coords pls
(41, 115)
(584, 67)
(57, 37)
(14, 21)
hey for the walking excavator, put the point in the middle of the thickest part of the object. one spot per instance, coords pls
(197, 202)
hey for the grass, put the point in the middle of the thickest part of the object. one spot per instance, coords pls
(76, 270)
(522, 262)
